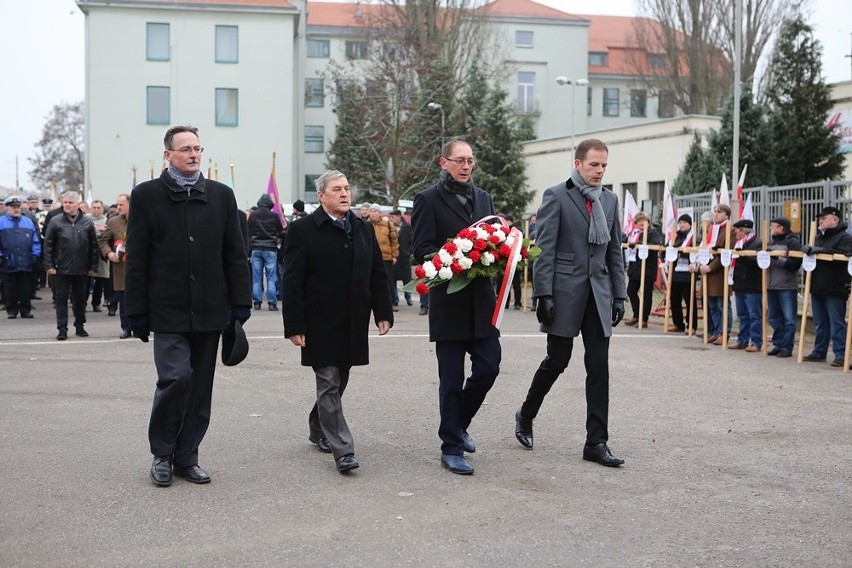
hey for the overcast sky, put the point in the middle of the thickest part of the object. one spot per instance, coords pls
(42, 61)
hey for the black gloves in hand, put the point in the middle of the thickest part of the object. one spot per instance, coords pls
(808, 250)
(140, 326)
(241, 314)
(545, 311)
(617, 311)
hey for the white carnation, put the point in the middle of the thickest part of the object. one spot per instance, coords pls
(430, 270)
(481, 233)
(465, 262)
(445, 273)
(463, 245)
(446, 258)
(497, 225)
(500, 235)
(486, 259)
(510, 240)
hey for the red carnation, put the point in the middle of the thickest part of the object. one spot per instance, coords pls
(479, 244)
(496, 254)
(421, 288)
(436, 262)
(494, 240)
(456, 267)
(474, 256)
(419, 271)
(450, 248)
(464, 233)
(505, 251)
(488, 228)
(524, 252)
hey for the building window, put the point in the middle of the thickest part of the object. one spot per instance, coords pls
(597, 58)
(526, 91)
(610, 102)
(314, 93)
(665, 104)
(157, 42)
(630, 188)
(157, 104)
(523, 38)
(227, 44)
(655, 191)
(356, 50)
(314, 139)
(638, 102)
(226, 107)
(589, 101)
(310, 188)
(318, 48)
(657, 60)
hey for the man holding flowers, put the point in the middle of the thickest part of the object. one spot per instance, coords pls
(579, 286)
(460, 320)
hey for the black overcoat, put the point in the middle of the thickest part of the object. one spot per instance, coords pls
(186, 263)
(331, 284)
(436, 217)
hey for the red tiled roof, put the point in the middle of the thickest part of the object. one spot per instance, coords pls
(246, 3)
(617, 37)
(525, 9)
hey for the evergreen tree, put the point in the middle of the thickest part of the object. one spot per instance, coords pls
(352, 150)
(806, 150)
(700, 172)
(756, 144)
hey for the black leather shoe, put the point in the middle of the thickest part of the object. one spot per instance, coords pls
(774, 351)
(193, 474)
(523, 430)
(814, 358)
(111, 311)
(467, 442)
(837, 363)
(81, 332)
(273, 307)
(600, 453)
(345, 463)
(125, 333)
(26, 315)
(784, 353)
(321, 442)
(62, 335)
(424, 311)
(456, 464)
(96, 309)
(161, 471)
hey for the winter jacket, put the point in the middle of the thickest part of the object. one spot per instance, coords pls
(115, 233)
(20, 246)
(681, 265)
(386, 235)
(71, 247)
(783, 270)
(747, 274)
(264, 226)
(831, 277)
(716, 276)
(634, 269)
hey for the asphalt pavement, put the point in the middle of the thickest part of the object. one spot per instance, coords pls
(732, 459)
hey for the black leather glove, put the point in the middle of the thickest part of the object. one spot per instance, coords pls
(810, 249)
(544, 310)
(240, 313)
(617, 311)
(140, 326)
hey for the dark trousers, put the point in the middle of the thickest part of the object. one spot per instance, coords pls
(180, 414)
(459, 400)
(117, 299)
(390, 268)
(76, 287)
(101, 288)
(326, 417)
(403, 272)
(633, 294)
(682, 296)
(596, 360)
(17, 287)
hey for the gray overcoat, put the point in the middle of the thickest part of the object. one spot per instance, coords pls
(569, 268)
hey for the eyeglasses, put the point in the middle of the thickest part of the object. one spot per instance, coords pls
(462, 161)
(189, 149)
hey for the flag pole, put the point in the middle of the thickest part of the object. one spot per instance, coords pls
(726, 300)
(764, 284)
(233, 180)
(642, 279)
(805, 300)
(704, 302)
(133, 169)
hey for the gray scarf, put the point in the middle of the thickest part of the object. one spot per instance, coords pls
(598, 230)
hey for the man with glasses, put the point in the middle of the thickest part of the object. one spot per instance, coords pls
(459, 323)
(186, 280)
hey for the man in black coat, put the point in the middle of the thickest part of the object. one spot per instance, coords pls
(264, 227)
(334, 277)
(403, 263)
(186, 279)
(459, 323)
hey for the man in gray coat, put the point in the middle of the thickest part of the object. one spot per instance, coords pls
(579, 286)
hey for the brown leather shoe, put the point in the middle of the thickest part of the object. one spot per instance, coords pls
(718, 340)
(752, 349)
(735, 345)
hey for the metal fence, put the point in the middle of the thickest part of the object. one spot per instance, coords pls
(768, 202)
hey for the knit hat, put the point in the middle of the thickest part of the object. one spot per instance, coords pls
(686, 218)
(783, 221)
(265, 201)
(299, 206)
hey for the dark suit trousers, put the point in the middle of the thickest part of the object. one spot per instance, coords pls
(180, 415)
(680, 295)
(459, 400)
(18, 289)
(76, 287)
(596, 360)
(326, 417)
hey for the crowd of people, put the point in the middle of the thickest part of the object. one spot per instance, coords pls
(188, 264)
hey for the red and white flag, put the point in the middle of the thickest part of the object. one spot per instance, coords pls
(669, 215)
(723, 192)
(747, 210)
(740, 185)
(630, 211)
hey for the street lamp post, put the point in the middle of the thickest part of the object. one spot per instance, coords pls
(440, 107)
(562, 80)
